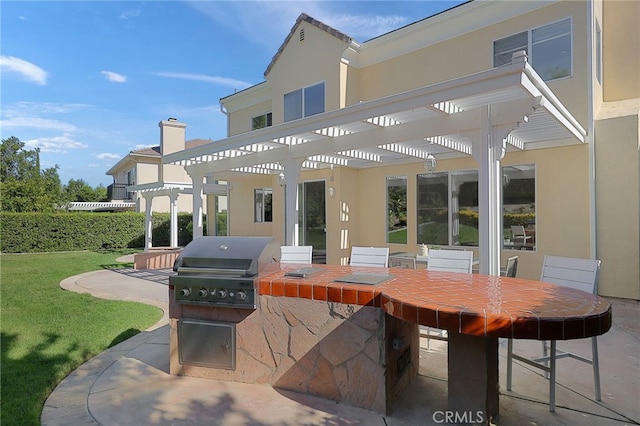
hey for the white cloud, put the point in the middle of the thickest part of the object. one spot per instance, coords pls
(55, 144)
(37, 123)
(268, 22)
(23, 69)
(108, 156)
(114, 77)
(224, 81)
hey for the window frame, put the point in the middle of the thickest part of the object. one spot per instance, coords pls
(388, 181)
(303, 101)
(530, 47)
(263, 205)
(506, 229)
(268, 120)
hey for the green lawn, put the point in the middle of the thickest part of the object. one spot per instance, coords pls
(47, 332)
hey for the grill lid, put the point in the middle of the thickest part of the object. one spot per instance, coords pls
(238, 256)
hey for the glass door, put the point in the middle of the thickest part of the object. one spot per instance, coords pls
(312, 217)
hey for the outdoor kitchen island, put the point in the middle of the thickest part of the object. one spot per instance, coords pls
(359, 343)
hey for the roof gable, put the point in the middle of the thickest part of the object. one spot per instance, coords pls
(306, 18)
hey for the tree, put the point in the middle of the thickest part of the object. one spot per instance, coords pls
(77, 190)
(23, 186)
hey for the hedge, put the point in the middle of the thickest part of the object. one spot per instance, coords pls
(48, 232)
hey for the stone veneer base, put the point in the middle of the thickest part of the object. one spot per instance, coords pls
(336, 351)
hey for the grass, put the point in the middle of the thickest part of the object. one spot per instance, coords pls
(48, 332)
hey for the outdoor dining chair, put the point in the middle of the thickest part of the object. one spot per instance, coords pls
(581, 274)
(519, 236)
(296, 254)
(511, 268)
(460, 261)
(369, 256)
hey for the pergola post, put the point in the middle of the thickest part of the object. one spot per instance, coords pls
(173, 218)
(148, 222)
(198, 195)
(292, 168)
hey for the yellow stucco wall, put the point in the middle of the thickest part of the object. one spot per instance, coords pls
(621, 50)
(300, 65)
(618, 186)
(356, 215)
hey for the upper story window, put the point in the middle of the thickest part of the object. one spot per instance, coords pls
(304, 102)
(548, 48)
(261, 121)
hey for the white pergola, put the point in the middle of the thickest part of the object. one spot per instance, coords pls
(162, 189)
(483, 115)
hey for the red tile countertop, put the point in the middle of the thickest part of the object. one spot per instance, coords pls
(475, 304)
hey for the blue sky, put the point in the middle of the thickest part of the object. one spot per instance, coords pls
(87, 82)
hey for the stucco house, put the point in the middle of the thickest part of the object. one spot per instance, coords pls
(143, 168)
(445, 132)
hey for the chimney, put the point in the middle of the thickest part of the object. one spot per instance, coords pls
(172, 136)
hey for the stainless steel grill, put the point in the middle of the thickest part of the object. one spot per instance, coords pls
(222, 271)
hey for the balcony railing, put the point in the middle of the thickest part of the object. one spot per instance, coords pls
(118, 191)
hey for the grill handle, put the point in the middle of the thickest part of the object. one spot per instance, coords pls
(211, 271)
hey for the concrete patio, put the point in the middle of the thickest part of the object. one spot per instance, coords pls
(129, 383)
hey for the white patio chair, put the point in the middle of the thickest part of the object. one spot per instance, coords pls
(460, 261)
(450, 261)
(581, 274)
(296, 254)
(519, 236)
(511, 268)
(369, 256)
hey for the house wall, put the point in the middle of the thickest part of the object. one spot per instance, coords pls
(618, 211)
(621, 39)
(300, 65)
(564, 204)
(241, 207)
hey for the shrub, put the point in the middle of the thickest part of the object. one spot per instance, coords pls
(50, 232)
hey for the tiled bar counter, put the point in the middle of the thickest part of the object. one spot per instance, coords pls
(358, 343)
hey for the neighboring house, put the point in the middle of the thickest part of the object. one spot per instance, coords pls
(137, 176)
(445, 132)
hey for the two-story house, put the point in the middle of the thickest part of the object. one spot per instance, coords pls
(445, 132)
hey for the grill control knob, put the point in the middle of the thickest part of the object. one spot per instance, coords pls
(241, 295)
(203, 292)
(185, 292)
(222, 293)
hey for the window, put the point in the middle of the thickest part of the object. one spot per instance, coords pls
(448, 208)
(261, 121)
(304, 102)
(548, 47)
(397, 209)
(519, 205)
(263, 204)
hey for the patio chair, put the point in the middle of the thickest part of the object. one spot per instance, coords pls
(369, 256)
(296, 254)
(450, 261)
(402, 262)
(519, 236)
(460, 261)
(511, 268)
(581, 274)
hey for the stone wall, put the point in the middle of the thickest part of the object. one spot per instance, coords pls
(339, 352)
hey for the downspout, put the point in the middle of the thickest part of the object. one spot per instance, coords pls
(591, 131)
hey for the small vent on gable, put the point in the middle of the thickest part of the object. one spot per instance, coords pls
(301, 34)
